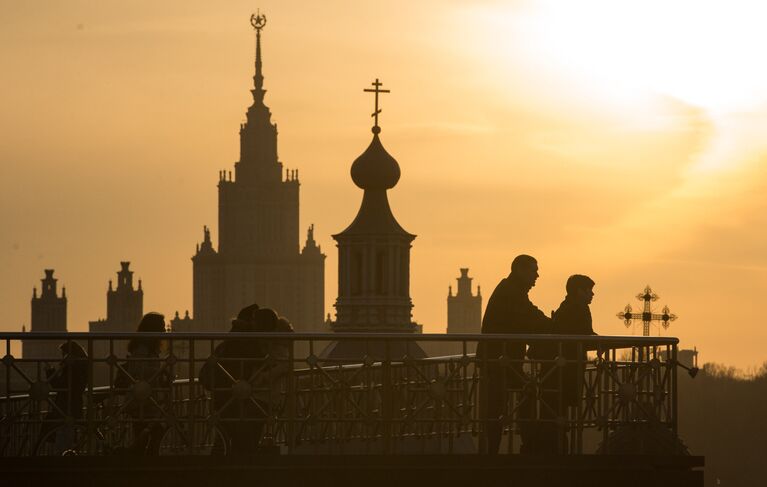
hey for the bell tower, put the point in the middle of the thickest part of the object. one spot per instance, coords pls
(374, 251)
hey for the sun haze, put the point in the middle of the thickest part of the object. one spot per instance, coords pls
(622, 143)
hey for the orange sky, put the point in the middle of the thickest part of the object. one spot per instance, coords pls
(624, 143)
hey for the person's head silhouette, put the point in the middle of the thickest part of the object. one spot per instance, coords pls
(245, 318)
(524, 270)
(151, 322)
(580, 288)
(265, 320)
(72, 349)
(283, 325)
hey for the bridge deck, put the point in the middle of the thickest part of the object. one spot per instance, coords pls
(358, 470)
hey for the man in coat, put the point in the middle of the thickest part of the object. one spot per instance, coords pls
(509, 310)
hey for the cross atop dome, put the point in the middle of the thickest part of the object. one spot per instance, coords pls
(376, 89)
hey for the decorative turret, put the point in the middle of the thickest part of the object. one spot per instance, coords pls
(311, 247)
(206, 248)
(124, 277)
(464, 310)
(125, 304)
(374, 251)
(49, 314)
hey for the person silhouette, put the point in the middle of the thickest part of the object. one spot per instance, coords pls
(509, 310)
(229, 374)
(271, 380)
(69, 380)
(146, 381)
(573, 317)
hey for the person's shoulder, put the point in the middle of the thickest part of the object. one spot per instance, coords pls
(571, 313)
(499, 295)
(570, 305)
(502, 285)
(222, 349)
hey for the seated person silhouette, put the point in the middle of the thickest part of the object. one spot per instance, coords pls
(562, 384)
(271, 380)
(231, 375)
(146, 381)
(68, 380)
(509, 310)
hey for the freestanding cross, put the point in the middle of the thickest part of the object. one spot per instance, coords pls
(647, 316)
(377, 89)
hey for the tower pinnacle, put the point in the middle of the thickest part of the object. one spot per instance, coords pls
(258, 22)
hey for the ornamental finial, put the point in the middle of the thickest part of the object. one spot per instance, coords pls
(258, 21)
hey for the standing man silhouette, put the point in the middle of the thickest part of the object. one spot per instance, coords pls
(509, 310)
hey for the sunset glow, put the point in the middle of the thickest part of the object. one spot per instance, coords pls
(705, 53)
(620, 139)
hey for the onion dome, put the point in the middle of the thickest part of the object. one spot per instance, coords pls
(375, 168)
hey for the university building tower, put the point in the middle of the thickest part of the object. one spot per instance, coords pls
(258, 259)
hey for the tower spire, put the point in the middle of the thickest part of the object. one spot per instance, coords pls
(258, 22)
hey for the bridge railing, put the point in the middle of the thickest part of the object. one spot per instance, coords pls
(233, 393)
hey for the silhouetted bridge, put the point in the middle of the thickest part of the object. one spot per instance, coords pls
(270, 407)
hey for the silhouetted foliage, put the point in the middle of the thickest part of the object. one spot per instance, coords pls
(722, 416)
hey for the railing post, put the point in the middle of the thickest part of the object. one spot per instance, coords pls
(192, 404)
(386, 399)
(674, 389)
(91, 427)
(291, 399)
(577, 429)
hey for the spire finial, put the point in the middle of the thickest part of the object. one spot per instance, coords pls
(376, 89)
(206, 234)
(258, 22)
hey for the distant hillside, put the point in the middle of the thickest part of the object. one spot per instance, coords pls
(723, 415)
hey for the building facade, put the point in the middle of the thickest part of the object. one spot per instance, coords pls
(49, 314)
(464, 309)
(125, 304)
(125, 307)
(258, 259)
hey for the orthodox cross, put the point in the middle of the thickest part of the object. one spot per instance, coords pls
(377, 89)
(647, 316)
